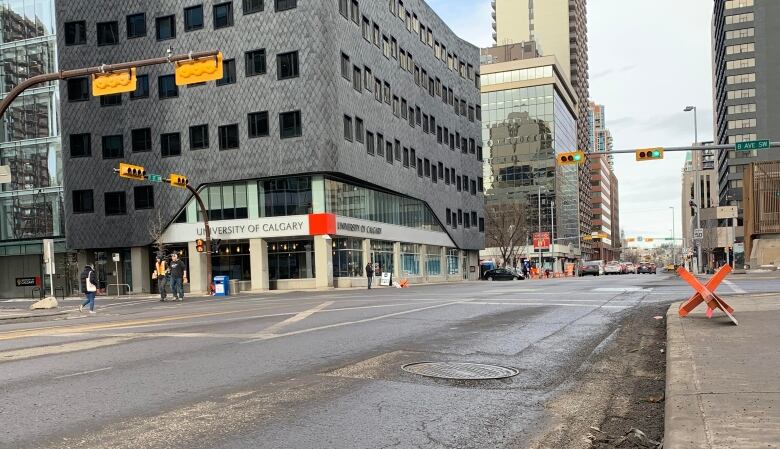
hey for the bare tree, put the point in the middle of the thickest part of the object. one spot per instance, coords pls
(156, 230)
(506, 228)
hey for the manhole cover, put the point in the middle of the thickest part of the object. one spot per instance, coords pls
(460, 371)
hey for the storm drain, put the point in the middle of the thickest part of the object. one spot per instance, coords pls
(460, 371)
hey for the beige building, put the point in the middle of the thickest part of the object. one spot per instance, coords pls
(559, 28)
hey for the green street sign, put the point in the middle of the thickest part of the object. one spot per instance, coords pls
(154, 178)
(752, 145)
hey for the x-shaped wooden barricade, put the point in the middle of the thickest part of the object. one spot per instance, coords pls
(706, 293)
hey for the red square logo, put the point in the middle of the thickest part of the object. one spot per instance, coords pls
(322, 224)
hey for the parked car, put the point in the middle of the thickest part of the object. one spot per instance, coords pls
(613, 267)
(501, 274)
(630, 268)
(594, 267)
(518, 271)
(646, 268)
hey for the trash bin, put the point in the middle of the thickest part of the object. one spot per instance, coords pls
(234, 288)
(221, 286)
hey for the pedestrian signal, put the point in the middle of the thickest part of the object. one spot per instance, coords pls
(572, 158)
(650, 154)
(132, 171)
(200, 245)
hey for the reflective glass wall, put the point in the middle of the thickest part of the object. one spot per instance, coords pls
(31, 204)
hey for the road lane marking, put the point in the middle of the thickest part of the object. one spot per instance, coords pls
(734, 287)
(26, 353)
(557, 304)
(84, 372)
(349, 323)
(296, 318)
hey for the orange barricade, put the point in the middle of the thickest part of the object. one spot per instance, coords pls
(404, 283)
(706, 293)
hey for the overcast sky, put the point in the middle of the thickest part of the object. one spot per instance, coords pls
(648, 60)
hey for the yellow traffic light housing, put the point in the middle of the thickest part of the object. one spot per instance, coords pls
(650, 154)
(113, 82)
(200, 245)
(180, 181)
(199, 70)
(571, 158)
(130, 171)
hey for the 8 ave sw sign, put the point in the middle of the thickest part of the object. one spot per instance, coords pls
(752, 145)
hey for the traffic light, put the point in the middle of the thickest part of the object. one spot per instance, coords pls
(113, 82)
(180, 181)
(199, 70)
(200, 245)
(571, 158)
(132, 171)
(650, 154)
(215, 244)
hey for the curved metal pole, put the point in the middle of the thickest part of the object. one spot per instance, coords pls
(205, 214)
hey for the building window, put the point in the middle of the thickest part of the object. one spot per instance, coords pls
(740, 63)
(742, 78)
(744, 123)
(253, 6)
(287, 65)
(742, 108)
(731, 4)
(284, 5)
(286, 196)
(742, 93)
(223, 15)
(741, 48)
(366, 29)
(290, 124)
(80, 145)
(107, 33)
(228, 72)
(76, 33)
(136, 25)
(355, 11)
(370, 144)
(347, 257)
(78, 89)
(143, 197)
(141, 140)
(359, 130)
(166, 87)
(166, 27)
(111, 100)
(115, 203)
(344, 8)
(113, 147)
(193, 18)
(228, 137)
(740, 18)
(199, 137)
(389, 152)
(82, 202)
(433, 260)
(170, 144)
(741, 33)
(348, 128)
(291, 259)
(345, 66)
(141, 87)
(254, 62)
(357, 79)
(258, 124)
(380, 145)
(410, 259)
(481, 224)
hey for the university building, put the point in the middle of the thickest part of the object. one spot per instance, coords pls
(342, 132)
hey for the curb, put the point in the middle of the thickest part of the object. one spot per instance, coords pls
(26, 317)
(684, 425)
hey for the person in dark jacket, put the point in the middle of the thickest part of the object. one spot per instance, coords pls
(370, 273)
(89, 285)
(178, 272)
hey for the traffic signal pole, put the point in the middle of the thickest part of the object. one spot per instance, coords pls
(105, 68)
(205, 214)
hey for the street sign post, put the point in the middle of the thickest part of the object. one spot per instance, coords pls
(752, 145)
(698, 234)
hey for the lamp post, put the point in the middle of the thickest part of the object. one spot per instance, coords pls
(674, 241)
(696, 159)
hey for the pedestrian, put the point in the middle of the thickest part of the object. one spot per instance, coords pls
(525, 268)
(89, 284)
(178, 272)
(162, 275)
(370, 273)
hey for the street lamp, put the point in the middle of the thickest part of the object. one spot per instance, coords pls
(696, 159)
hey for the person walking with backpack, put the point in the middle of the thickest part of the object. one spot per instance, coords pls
(369, 273)
(89, 285)
(162, 274)
(178, 272)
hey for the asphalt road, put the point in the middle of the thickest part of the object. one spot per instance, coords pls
(313, 370)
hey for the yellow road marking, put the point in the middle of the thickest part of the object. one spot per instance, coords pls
(26, 353)
(294, 319)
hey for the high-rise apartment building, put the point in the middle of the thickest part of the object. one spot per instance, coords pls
(529, 111)
(559, 28)
(342, 133)
(746, 104)
(603, 188)
(31, 204)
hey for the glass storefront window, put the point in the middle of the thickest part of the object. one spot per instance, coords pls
(291, 259)
(382, 255)
(410, 259)
(433, 260)
(452, 261)
(286, 196)
(347, 257)
(232, 260)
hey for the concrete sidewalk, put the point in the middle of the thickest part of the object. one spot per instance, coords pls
(722, 380)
